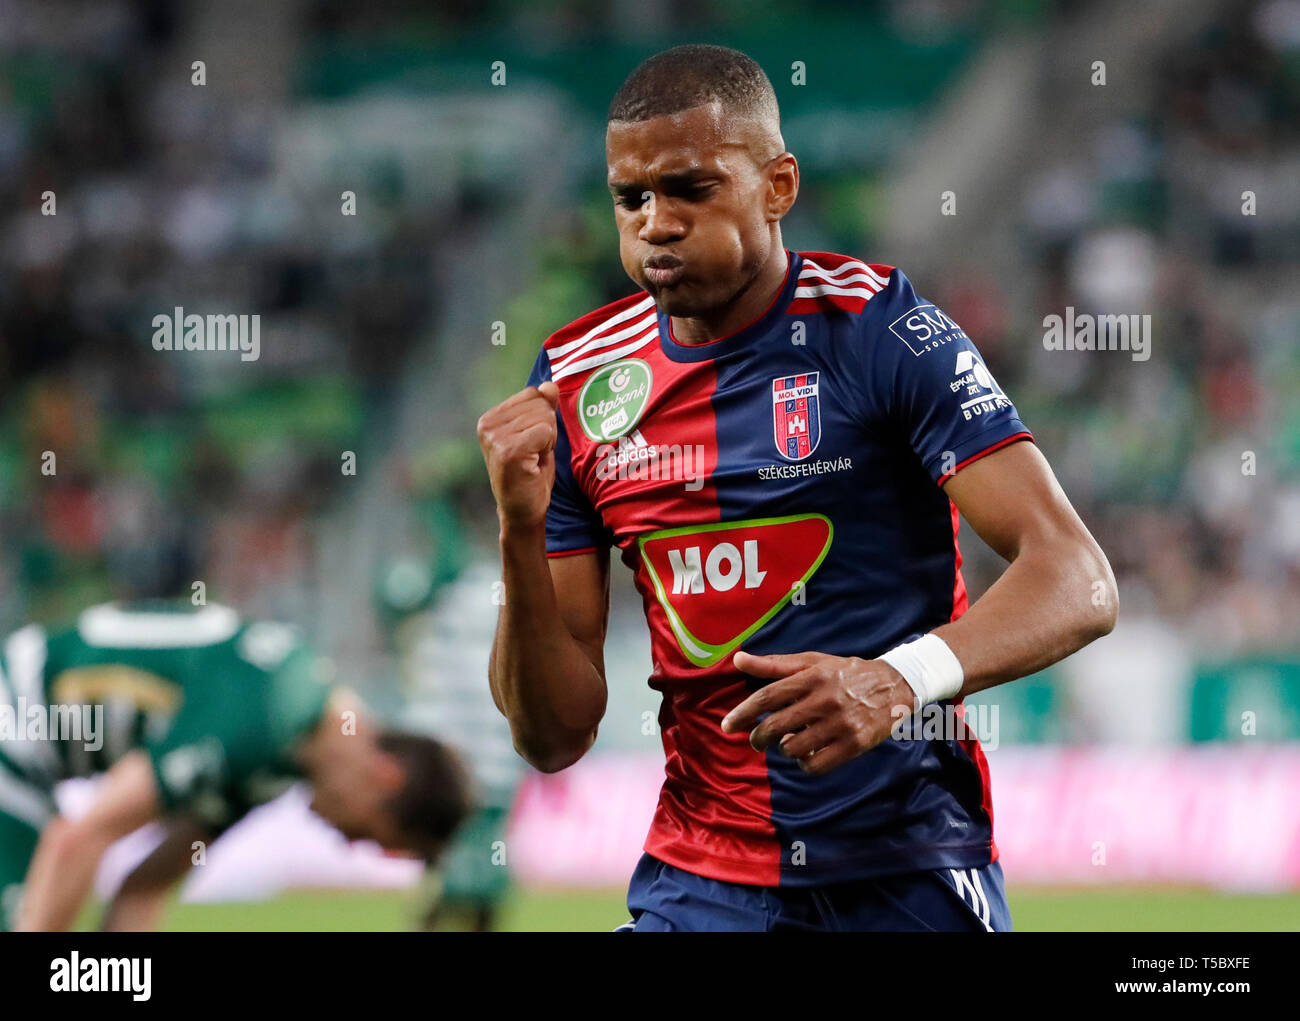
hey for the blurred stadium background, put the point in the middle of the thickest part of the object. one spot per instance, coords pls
(1149, 782)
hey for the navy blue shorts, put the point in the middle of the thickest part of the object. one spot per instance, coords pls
(662, 898)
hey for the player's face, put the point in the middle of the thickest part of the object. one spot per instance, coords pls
(345, 794)
(693, 208)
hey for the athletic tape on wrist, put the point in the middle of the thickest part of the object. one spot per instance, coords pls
(931, 669)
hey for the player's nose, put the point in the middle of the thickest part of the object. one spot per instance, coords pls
(661, 226)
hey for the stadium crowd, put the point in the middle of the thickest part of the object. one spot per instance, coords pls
(175, 468)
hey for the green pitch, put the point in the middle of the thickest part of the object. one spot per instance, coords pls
(1104, 909)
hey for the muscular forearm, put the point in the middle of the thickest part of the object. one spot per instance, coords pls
(543, 680)
(1057, 595)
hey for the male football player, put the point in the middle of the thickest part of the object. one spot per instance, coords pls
(779, 444)
(193, 716)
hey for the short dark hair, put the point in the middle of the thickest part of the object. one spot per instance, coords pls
(693, 75)
(435, 796)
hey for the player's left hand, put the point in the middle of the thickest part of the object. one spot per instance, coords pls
(825, 710)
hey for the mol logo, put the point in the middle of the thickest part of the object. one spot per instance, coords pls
(724, 567)
(718, 584)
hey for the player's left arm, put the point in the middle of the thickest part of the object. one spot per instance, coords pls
(919, 374)
(138, 904)
(1054, 597)
(1057, 595)
(62, 870)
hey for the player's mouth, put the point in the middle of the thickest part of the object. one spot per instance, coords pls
(664, 270)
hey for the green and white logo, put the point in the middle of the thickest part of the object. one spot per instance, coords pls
(612, 399)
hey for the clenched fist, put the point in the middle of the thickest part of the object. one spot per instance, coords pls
(518, 441)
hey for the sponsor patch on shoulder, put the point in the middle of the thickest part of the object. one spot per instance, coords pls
(925, 328)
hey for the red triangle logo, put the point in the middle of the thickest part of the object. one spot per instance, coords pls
(720, 583)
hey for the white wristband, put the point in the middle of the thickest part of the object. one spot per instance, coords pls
(931, 669)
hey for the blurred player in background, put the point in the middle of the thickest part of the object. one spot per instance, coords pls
(443, 618)
(779, 442)
(194, 716)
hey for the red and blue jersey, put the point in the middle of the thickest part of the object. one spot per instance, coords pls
(781, 490)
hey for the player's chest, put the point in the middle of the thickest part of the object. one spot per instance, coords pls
(660, 444)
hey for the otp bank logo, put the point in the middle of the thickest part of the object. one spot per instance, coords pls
(720, 583)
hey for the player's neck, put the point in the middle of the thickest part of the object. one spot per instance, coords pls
(744, 309)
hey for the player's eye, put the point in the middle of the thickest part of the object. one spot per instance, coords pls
(630, 200)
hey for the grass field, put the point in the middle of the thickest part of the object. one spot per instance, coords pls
(1107, 909)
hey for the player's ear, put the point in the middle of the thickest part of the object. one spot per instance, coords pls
(782, 185)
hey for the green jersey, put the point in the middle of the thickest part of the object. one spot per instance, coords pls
(218, 703)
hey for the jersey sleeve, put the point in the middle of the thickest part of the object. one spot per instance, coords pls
(225, 754)
(201, 780)
(299, 690)
(925, 378)
(192, 773)
(572, 523)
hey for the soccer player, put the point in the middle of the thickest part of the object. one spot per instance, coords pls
(443, 649)
(778, 443)
(193, 716)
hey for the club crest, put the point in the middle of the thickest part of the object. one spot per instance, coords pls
(796, 415)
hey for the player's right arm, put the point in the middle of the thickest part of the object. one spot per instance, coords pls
(62, 870)
(547, 670)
